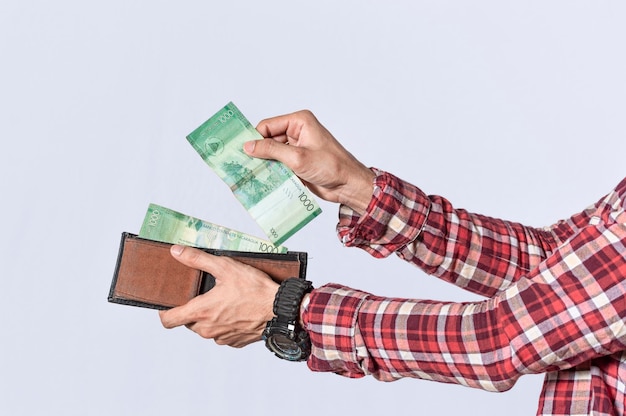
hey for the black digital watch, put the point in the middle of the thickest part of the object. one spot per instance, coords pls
(283, 335)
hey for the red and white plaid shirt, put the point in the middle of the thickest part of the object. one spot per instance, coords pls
(555, 301)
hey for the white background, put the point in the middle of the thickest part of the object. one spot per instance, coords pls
(513, 109)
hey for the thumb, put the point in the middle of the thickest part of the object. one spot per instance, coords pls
(269, 149)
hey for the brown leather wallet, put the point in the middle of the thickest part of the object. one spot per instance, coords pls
(147, 275)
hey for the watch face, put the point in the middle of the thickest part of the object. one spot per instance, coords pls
(284, 347)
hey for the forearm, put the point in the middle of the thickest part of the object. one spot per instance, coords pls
(486, 255)
(395, 338)
(475, 252)
(478, 253)
(429, 233)
(568, 310)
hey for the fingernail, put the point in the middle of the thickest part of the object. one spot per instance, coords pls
(177, 250)
(248, 147)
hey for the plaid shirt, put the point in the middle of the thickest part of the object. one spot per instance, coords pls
(555, 301)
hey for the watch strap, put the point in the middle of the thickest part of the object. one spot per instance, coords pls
(289, 297)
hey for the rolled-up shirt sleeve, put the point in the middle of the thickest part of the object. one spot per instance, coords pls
(394, 217)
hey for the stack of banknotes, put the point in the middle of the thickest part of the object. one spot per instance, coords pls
(169, 226)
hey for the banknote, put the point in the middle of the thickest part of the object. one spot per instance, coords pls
(274, 196)
(169, 226)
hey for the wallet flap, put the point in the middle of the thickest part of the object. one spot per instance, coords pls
(147, 274)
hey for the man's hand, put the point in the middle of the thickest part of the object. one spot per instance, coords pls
(235, 311)
(299, 141)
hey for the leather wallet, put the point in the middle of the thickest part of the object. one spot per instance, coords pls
(147, 275)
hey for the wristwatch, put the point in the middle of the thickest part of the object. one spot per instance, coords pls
(284, 335)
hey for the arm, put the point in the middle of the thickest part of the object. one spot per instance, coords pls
(475, 252)
(568, 310)
(383, 214)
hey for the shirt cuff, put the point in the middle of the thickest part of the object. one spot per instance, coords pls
(330, 320)
(394, 217)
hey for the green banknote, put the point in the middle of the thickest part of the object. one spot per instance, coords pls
(168, 226)
(271, 192)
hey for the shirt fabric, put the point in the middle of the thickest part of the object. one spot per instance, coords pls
(555, 301)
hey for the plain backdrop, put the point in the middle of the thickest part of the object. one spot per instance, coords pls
(512, 109)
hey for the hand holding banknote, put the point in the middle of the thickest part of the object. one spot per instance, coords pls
(300, 142)
(270, 192)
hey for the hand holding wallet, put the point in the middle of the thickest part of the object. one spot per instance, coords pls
(146, 274)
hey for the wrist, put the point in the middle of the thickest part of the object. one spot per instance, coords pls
(358, 192)
(303, 306)
(268, 302)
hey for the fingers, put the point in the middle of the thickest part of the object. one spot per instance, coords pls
(287, 125)
(196, 259)
(222, 335)
(235, 311)
(178, 316)
(188, 315)
(274, 127)
(201, 260)
(272, 149)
